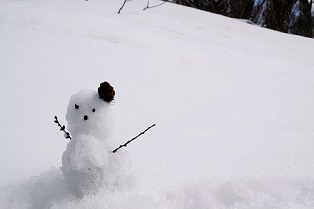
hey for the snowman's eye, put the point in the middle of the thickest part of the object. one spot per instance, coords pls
(93, 110)
(76, 106)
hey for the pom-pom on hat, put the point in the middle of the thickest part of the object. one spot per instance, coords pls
(106, 91)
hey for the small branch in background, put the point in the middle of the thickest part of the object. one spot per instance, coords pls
(126, 144)
(150, 7)
(122, 6)
(62, 128)
(147, 6)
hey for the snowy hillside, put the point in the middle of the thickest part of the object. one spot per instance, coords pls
(233, 104)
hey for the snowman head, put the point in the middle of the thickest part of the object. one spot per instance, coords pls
(88, 112)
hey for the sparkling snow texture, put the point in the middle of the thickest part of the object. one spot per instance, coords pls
(233, 104)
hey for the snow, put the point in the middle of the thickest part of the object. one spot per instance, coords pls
(232, 102)
(88, 164)
(88, 114)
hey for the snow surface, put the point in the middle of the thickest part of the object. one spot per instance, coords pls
(233, 104)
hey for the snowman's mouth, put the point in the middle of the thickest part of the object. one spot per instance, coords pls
(85, 117)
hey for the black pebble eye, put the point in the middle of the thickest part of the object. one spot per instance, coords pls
(76, 106)
(93, 110)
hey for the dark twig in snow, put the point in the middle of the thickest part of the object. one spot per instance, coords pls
(62, 128)
(122, 6)
(126, 144)
(150, 7)
(147, 6)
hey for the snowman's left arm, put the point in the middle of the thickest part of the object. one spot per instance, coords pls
(62, 128)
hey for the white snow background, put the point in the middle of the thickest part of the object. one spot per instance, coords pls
(233, 104)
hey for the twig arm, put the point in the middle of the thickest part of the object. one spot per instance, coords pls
(128, 142)
(62, 128)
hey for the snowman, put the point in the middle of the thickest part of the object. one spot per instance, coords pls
(88, 163)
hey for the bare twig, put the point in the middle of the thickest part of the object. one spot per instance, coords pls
(149, 7)
(122, 6)
(126, 144)
(62, 128)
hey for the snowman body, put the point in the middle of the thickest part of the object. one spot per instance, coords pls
(88, 163)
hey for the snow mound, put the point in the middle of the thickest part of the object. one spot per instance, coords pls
(49, 190)
(245, 193)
